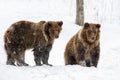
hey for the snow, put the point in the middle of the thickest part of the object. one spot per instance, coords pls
(105, 12)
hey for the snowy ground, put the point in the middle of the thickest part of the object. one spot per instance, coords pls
(36, 10)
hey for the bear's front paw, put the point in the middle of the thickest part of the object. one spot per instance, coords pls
(49, 64)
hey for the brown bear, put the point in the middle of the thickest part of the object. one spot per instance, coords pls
(84, 47)
(24, 35)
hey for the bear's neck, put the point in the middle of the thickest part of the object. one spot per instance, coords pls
(50, 39)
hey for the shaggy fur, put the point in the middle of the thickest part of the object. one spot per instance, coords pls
(84, 47)
(24, 35)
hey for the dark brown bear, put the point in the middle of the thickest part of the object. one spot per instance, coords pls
(24, 35)
(84, 47)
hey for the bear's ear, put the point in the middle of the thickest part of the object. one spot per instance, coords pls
(98, 25)
(86, 25)
(60, 23)
(47, 26)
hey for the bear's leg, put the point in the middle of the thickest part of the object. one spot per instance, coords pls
(10, 60)
(20, 58)
(66, 57)
(45, 56)
(95, 56)
(69, 59)
(37, 56)
(72, 60)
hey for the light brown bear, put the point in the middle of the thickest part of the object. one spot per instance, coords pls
(24, 35)
(84, 47)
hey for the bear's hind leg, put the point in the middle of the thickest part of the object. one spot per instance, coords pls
(10, 60)
(20, 58)
(70, 59)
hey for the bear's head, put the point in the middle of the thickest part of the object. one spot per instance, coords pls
(91, 32)
(53, 28)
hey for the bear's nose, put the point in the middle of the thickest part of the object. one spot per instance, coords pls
(93, 38)
(56, 36)
(87, 63)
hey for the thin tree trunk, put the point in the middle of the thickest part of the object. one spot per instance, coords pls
(79, 12)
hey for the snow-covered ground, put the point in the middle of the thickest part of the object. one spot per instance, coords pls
(105, 12)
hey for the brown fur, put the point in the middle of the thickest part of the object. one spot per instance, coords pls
(84, 46)
(24, 35)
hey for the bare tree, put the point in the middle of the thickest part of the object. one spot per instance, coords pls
(79, 12)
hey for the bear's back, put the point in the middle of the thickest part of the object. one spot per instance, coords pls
(23, 33)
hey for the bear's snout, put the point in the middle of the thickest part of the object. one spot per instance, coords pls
(88, 63)
(93, 38)
(56, 36)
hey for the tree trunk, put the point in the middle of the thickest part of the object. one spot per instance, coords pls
(79, 12)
